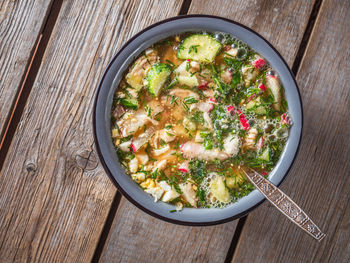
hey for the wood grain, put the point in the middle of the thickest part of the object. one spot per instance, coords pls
(20, 25)
(54, 195)
(157, 241)
(281, 22)
(319, 180)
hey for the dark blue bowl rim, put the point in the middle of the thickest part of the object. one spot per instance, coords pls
(99, 152)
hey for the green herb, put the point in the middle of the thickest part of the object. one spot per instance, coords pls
(169, 134)
(148, 110)
(197, 117)
(187, 65)
(172, 211)
(168, 127)
(190, 100)
(193, 48)
(185, 106)
(170, 63)
(172, 84)
(174, 100)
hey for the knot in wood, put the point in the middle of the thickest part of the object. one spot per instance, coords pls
(30, 167)
(86, 160)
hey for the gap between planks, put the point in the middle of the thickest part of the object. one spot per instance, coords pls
(28, 81)
(295, 68)
(114, 207)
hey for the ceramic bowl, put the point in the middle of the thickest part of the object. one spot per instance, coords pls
(103, 104)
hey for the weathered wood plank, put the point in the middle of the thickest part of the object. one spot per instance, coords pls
(137, 237)
(54, 197)
(280, 22)
(320, 180)
(20, 25)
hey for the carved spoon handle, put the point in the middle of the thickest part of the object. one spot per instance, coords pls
(285, 204)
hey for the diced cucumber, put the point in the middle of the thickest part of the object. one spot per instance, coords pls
(254, 105)
(266, 155)
(130, 102)
(134, 81)
(157, 77)
(199, 47)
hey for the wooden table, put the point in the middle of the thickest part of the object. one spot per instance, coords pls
(57, 204)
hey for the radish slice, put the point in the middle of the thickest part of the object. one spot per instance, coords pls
(260, 142)
(203, 86)
(184, 167)
(262, 87)
(230, 108)
(259, 63)
(212, 100)
(285, 119)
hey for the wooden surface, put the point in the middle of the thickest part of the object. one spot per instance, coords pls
(121, 243)
(56, 203)
(53, 203)
(319, 180)
(20, 25)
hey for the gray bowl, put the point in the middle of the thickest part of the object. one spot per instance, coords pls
(103, 105)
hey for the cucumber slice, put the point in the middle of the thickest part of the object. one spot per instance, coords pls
(130, 102)
(199, 47)
(266, 155)
(157, 77)
(254, 105)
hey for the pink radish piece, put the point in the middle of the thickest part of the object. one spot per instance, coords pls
(230, 108)
(262, 87)
(184, 167)
(259, 63)
(203, 86)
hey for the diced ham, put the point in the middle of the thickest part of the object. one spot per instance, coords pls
(162, 150)
(207, 121)
(159, 166)
(183, 93)
(142, 158)
(140, 68)
(138, 142)
(204, 106)
(275, 89)
(226, 76)
(197, 150)
(249, 142)
(118, 111)
(132, 121)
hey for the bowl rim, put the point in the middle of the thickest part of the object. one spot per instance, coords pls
(101, 157)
